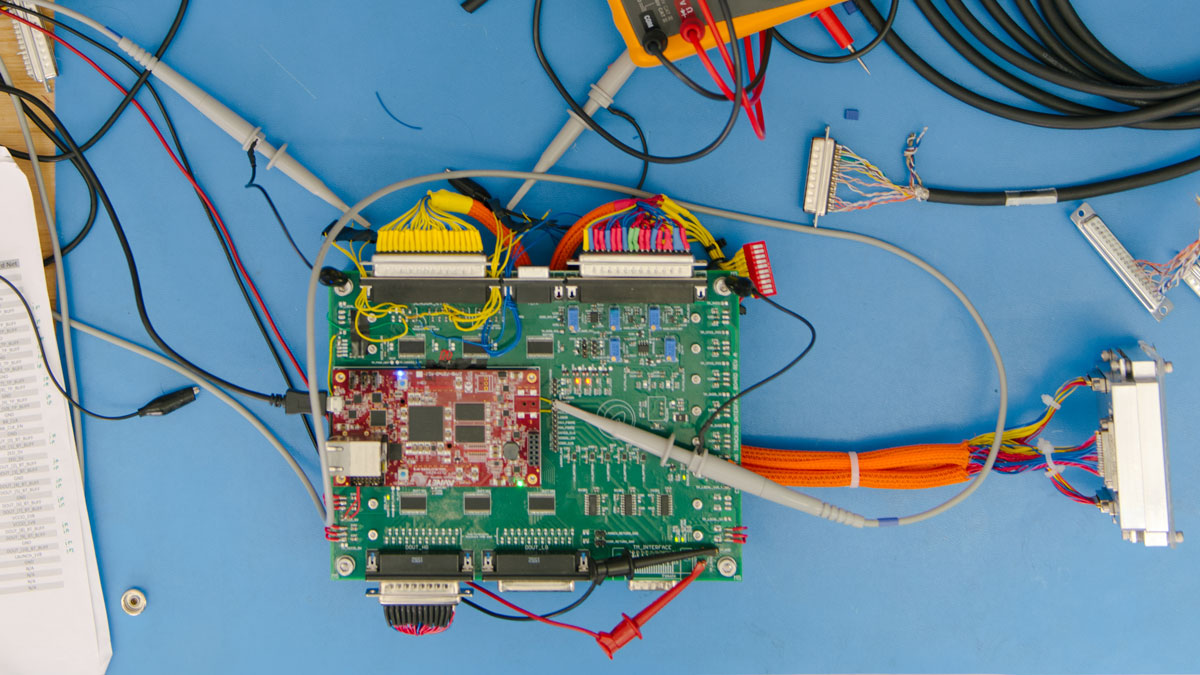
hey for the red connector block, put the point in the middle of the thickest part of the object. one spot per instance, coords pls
(760, 267)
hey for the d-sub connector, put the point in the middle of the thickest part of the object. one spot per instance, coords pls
(636, 265)
(818, 181)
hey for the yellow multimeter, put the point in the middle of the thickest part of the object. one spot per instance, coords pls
(633, 17)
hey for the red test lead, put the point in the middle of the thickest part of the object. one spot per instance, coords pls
(838, 32)
(628, 629)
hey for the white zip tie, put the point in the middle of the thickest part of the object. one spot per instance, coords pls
(853, 469)
(1047, 449)
(1050, 402)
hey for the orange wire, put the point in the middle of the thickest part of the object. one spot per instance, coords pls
(480, 212)
(911, 467)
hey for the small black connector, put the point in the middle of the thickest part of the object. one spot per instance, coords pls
(169, 403)
(654, 40)
(626, 565)
(472, 5)
(742, 286)
(295, 402)
(333, 277)
(469, 188)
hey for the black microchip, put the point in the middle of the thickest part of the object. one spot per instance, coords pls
(410, 346)
(395, 452)
(474, 351)
(539, 347)
(469, 433)
(469, 412)
(376, 398)
(413, 503)
(477, 503)
(379, 418)
(665, 507)
(630, 504)
(591, 506)
(425, 423)
(541, 503)
(643, 347)
(594, 318)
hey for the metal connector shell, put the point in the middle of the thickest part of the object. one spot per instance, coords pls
(355, 459)
(1121, 262)
(636, 265)
(429, 265)
(1132, 447)
(818, 181)
(417, 593)
(1192, 278)
(527, 585)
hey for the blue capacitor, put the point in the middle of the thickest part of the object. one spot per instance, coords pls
(573, 318)
(654, 318)
(670, 347)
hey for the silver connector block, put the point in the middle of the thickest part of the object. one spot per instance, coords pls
(637, 265)
(1132, 447)
(417, 593)
(1192, 278)
(355, 459)
(818, 181)
(1121, 262)
(429, 265)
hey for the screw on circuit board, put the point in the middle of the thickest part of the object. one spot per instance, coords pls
(695, 317)
(697, 535)
(695, 379)
(373, 504)
(344, 566)
(697, 504)
(721, 287)
(696, 410)
(727, 567)
(696, 348)
(372, 535)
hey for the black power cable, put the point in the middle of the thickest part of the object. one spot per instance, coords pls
(613, 140)
(744, 287)
(165, 404)
(132, 90)
(641, 136)
(271, 202)
(1162, 106)
(93, 186)
(127, 251)
(842, 58)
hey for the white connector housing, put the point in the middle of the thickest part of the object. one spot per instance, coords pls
(1192, 278)
(637, 265)
(1132, 447)
(429, 265)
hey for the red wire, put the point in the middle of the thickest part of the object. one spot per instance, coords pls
(530, 614)
(753, 109)
(191, 179)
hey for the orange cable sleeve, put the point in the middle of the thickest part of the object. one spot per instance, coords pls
(480, 212)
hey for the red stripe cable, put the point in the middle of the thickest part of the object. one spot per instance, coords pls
(191, 179)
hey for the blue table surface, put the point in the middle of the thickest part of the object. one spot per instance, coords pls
(199, 512)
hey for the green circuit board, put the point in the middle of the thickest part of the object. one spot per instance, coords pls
(663, 366)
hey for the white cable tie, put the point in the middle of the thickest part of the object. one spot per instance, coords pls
(853, 469)
(1050, 402)
(1047, 449)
